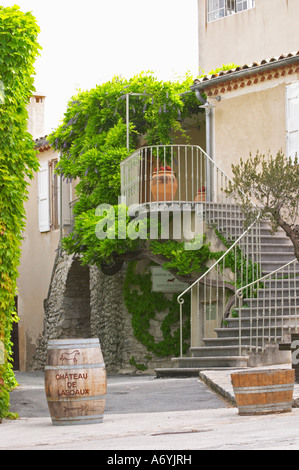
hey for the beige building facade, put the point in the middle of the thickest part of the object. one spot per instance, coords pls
(44, 211)
(254, 105)
(253, 109)
(245, 31)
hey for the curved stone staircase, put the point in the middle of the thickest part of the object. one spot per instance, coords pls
(260, 338)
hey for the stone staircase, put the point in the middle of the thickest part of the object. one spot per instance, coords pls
(223, 350)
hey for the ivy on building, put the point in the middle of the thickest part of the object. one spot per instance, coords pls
(18, 161)
(143, 305)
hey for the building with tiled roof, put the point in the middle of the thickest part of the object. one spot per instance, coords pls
(251, 108)
(242, 31)
(248, 74)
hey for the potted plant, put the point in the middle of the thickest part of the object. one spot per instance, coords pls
(201, 195)
(163, 184)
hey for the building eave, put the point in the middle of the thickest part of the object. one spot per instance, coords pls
(247, 71)
(42, 144)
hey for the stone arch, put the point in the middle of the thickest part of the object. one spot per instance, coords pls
(76, 312)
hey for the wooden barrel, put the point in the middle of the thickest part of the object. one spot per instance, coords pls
(75, 381)
(264, 391)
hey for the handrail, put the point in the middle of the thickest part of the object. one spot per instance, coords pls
(274, 321)
(264, 277)
(218, 261)
(181, 301)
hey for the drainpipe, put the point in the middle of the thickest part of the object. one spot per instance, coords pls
(210, 140)
(60, 210)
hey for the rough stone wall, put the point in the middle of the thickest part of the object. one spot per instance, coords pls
(84, 302)
(75, 320)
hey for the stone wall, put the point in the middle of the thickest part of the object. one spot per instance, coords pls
(84, 302)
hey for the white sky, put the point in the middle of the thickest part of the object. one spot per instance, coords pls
(87, 42)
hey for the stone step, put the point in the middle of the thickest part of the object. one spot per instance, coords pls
(229, 350)
(234, 341)
(283, 311)
(269, 266)
(268, 247)
(245, 331)
(267, 303)
(177, 372)
(287, 321)
(215, 361)
(278, 239)
(285, 292)
(282, 256)
(185, 372)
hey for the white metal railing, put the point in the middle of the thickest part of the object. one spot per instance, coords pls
(171, 173)
(267, 308)
(188, 174)
(238, 266)
(220, 283)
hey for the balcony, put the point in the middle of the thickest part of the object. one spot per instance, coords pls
(171, 175)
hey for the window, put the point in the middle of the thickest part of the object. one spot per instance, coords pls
(221, 8)
(54, 192)
(43, 198)
(48, 196)
(292, 119)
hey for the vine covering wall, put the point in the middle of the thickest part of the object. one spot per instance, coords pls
(18, 161)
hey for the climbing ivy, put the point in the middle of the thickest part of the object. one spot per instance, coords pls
(143, 304)
(18, 161)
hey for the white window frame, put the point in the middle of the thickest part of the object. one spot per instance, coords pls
(217, 9)
(292, 120)
(43, 198)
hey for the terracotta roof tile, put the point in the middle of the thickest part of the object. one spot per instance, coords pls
(224, 75)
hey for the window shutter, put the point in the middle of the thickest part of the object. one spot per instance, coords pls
(43, 198)
(292, 117)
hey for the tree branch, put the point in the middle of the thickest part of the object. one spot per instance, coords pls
(160, 260)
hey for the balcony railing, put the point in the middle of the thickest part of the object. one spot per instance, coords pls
(168, 174)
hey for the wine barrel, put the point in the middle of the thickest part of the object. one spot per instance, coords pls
(75, 381)
(264, 391)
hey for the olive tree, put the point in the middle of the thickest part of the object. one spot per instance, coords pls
(272, 183)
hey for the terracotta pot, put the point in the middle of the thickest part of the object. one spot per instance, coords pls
(163, 185)
(201, 196)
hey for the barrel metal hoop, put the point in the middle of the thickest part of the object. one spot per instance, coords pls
(267, 407)
(73, 398)
(265, 389)
(76, 366)
(70, 344)
(80, 419)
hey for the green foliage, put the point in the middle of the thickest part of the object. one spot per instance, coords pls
(94, 250)
(246, 270)
(18, 161)
(92, 141)
(184, 261)
(273, 182)
(143, 304)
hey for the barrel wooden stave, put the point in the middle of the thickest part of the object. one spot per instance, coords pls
(264, 392)
(75, 381)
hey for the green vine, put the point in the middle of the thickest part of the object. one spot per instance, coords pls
(18, 161)
(143, 304)
(246, 270)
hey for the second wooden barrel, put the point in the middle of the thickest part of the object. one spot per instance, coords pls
(264, 391)
(75, 381)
